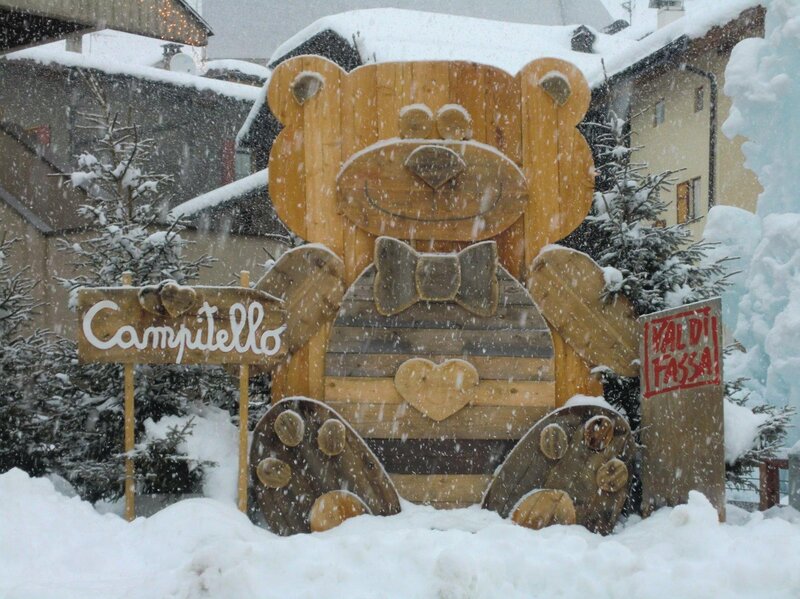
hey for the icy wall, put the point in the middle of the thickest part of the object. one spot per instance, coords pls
(763, 78)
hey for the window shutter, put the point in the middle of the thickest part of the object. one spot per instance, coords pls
(683, 201)
(228, 161)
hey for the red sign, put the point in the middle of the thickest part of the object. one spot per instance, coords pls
(682, 348)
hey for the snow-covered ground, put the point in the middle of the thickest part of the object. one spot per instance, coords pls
(52, 546)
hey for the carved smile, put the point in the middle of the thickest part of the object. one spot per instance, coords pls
(482, 213)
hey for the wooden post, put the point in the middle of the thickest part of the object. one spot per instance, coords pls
(794, 479)
(682, 407)
(130, 508)
(770, 482)
(244, 401)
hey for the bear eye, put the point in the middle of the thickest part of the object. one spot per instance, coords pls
(416, 122)
(306, 85)
(454, 122)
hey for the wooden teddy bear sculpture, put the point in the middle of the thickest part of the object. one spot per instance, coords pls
(439, 379)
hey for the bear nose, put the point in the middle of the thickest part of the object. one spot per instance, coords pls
(436, 165)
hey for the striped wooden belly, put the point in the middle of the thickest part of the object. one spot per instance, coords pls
(434, 456)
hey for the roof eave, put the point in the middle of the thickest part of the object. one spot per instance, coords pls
(664, 57)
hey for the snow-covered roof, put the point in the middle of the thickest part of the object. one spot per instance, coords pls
(218, 197)
(124, 65)
(240, 207)
(242, 66)
(255, 111)
(390, 34)
(257, 27)
(700, 18)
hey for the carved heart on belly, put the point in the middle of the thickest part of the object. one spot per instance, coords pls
(436, 390)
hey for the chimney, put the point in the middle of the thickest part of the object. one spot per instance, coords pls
(583, 40)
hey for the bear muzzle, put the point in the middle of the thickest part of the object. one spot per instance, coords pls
(410, 188)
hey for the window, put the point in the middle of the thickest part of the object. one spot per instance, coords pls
(699, 98)
(688, 197)
(242, 163)
(658, 114)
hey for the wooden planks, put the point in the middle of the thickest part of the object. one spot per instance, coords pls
(389, 421)
(573, 375)
(484, 393)
(442, 490)
(430, 328)
(309, 280)
(305, 198)
(556, 161)
(510, 352)
(526, 343)
(441, 456)
(682, 406)
(568, 286)
(489, 368)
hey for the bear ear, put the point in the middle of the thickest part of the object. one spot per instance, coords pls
(556, 159)
(562, 82)
(305, 95)
(299, 80)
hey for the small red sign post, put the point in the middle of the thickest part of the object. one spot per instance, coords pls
(682, 406)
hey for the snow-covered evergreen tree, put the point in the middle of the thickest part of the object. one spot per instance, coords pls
(657, 267)
(20, 350)
(124, 202)
(32, 384)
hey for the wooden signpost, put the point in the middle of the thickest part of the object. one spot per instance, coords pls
(174, 324)
(682, 406)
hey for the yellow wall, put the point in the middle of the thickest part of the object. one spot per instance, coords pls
(681, 141)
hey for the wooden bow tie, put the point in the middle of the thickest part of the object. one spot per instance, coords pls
(405, 276)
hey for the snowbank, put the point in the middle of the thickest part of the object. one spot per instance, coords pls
(762, 80)
(736, 233)
(54, 546)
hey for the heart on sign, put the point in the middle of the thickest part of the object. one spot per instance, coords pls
(150, 300)
(177, 299)
(436, 390)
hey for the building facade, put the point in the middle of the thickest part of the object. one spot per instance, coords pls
(676, 105)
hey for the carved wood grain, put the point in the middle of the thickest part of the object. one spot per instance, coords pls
(567, 286)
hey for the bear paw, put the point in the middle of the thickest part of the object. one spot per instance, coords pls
(311, 471)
